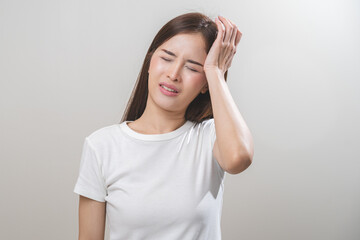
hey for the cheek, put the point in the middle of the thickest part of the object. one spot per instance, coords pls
(197, 81)
(156, 66)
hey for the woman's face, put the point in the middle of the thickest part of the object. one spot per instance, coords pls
(177, 62)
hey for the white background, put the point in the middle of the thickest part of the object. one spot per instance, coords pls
(68, 67)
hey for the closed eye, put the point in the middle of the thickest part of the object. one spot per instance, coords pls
(168, 60)
(192, 69)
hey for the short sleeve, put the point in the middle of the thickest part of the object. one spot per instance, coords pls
(90, 182)
(212, 132)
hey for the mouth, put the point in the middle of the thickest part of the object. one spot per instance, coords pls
(167, 91)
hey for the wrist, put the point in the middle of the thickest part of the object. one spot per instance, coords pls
(213, 72)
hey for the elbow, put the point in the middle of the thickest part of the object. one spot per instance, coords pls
(239, 164)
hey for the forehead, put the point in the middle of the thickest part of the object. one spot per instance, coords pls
(185, 43)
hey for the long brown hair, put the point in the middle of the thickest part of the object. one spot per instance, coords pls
(194, 22)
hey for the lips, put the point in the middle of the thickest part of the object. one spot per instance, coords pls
(170, 86)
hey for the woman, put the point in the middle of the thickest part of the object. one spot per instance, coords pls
(159, 173)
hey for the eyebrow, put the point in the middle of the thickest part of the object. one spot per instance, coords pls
(189, 60)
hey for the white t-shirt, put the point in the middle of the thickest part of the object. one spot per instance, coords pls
(156, 186)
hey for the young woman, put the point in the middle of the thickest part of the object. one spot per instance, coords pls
(159, 173)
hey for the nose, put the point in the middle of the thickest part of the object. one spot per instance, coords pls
(174, 71)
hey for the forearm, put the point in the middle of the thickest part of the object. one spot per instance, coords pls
(233, 136)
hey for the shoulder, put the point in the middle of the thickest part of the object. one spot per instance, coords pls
(104, 135)
(207, 123)
(206, 128)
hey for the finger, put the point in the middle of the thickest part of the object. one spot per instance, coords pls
(233, 35)
(220, 34)
(228, 29)
(238, 37)
(237, 33)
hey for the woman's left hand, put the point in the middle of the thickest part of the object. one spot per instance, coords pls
(224, 47)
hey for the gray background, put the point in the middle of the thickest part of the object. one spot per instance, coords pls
(68, 67)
